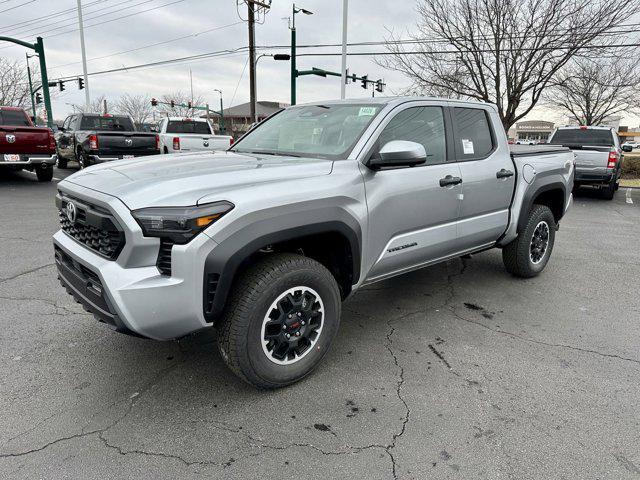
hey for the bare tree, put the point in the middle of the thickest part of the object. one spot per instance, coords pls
(14, 84)
(592, 91)
(137, 107)
(96, 106)
(179, 97)
(502, 51)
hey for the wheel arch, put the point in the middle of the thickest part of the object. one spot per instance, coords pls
(550, 192)
(334, 243)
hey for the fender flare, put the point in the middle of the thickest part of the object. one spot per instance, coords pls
(542, 185)
(226, 258)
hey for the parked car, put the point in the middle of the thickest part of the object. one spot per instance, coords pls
(598, 156)
(89, 138)
(317, 201)
(630, 146)
(24, 146)
(179, 134)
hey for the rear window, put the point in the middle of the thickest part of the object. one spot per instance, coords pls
(578, 136)
(473, 133)
(15, 118)
(118, 124)
(186, 126)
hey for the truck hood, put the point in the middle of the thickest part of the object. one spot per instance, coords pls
(183, 179)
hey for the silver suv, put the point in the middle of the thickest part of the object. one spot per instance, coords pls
(264, 240)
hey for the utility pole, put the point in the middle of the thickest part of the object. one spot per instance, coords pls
(87, 98)
(223, 128)
(33, 102)
(293, 56)
(252, 59)
(343, 84)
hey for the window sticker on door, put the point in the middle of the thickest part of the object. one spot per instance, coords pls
(367, 111)
(467, 146)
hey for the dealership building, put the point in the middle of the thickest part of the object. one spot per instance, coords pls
(532, 131)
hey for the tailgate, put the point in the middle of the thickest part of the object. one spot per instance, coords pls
(196, 141)
(126, 143)
(590, 157)
(24, 140)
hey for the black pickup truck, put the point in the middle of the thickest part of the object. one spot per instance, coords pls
(89, 138)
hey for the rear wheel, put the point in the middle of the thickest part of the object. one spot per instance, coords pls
(61, 162)
(528, 254)
(609, 191)
(281, 318)
(83, 160)
(44, 174)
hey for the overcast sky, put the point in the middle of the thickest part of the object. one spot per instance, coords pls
(166, 20)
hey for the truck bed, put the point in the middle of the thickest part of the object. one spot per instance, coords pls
(525, 150)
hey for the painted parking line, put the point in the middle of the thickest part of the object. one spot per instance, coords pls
(628, 198)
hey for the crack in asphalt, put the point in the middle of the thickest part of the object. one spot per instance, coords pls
(59, 308)
(26, 272)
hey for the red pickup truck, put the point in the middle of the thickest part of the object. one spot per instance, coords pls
(24, 146)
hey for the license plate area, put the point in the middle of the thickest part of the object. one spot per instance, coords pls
(11, 157)
(127, 156)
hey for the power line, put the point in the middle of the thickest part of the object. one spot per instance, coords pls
(109, 21)
(17, 6)
(73, 21)
(151, 45)
(44, 17)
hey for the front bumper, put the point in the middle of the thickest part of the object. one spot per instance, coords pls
(31, 160)
(130, 293)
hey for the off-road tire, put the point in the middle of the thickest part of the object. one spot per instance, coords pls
(609, 191)
(239, 331)
(517, 254)
(44, 174)
(61, 162)
(83, 160)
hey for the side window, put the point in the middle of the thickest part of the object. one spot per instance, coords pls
(73, 122)
(423, 125)
(65, 124)
(473, 133)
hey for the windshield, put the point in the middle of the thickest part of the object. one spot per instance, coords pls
(188, 126)
(320, 131)
(118, 124)
(14, 118)
(579, 136)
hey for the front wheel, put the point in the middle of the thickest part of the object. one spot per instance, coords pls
(280, 321)
(528, 254)
(61, 162)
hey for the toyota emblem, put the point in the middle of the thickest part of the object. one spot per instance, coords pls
(71, 212)
(10, 138)
(128, 142)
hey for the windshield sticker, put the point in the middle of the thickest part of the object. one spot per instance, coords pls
(367, 111)
(467, 146)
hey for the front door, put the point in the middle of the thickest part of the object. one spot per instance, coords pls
(488, 175)
(412, 217)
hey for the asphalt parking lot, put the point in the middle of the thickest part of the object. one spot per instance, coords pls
(455, 371)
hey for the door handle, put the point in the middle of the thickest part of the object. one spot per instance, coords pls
(449, 181)
(504, 173)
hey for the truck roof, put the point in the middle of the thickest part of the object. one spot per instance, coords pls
(15, 109)
(186, 119)
(585, 127)
(400, 100)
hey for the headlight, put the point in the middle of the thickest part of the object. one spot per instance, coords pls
(179, 224)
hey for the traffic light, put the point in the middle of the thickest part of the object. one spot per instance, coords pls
(61, 85)
(38, 98)
(189, 105)
(80, 83)
(173, 104)
(365, 81)
(379, 86)
(154, 102)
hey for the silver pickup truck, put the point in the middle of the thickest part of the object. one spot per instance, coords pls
(265, 240)
(598, 153)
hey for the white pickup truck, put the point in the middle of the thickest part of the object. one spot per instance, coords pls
(178, 134)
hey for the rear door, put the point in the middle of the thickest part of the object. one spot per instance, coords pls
(488, 175)
(412, 217)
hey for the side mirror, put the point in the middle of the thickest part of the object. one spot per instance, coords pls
(398, 153)
(627, 148)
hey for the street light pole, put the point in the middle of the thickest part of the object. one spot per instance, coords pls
(294, 71)
(87, 98)
(343, 86)
(33, 102)
(223, 129)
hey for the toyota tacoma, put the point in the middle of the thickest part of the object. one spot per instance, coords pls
(264, 241)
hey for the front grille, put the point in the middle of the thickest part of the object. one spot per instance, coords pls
(210, 291)
(94, 227)
(164, 257)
